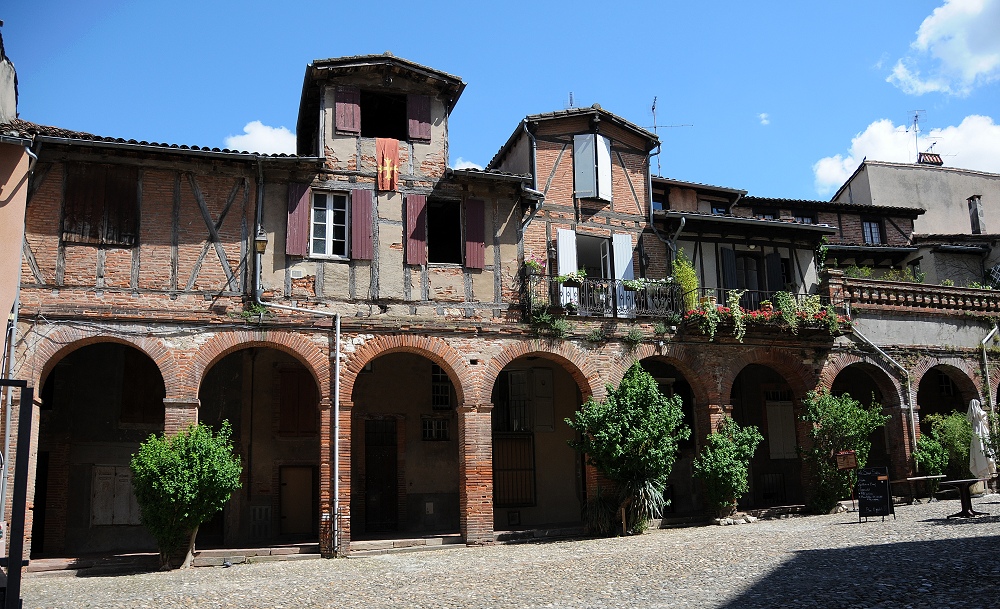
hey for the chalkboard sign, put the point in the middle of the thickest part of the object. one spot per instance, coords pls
(874, 498)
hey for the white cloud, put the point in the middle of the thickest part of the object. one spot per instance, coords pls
(258, 137)
(973, 144)
(765, 118)
(957, 45)
(461, 163)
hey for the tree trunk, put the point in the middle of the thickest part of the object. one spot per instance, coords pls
(189, 556)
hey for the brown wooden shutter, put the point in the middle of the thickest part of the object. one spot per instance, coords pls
(361, 225)
(83, 207)
(416, 229)
(775, 278)
(347, 108)
(297, 230)
(729, 276)
(297, 414)
(121, 206)
(475, 234)
(418, 117)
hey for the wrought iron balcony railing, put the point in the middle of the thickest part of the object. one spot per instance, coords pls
(592, 297)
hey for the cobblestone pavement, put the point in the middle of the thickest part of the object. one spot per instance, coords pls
(918, 560)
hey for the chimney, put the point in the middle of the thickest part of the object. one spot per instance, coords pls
(8, 86)
(976, 214)
(929, 158)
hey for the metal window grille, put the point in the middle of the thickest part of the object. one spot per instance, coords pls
(440, 389)
(435, 430)
(514, 470)
(872, 232)
(778, 395)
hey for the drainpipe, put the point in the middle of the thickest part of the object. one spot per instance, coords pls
(906, 377)
(6, 372)
(992, 402)
(533, 192)
(258, 292)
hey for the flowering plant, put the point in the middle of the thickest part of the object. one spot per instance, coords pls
(536, 263)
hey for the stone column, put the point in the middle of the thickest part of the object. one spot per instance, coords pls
(475, 473)
(179, 414)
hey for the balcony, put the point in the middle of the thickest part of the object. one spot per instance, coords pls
(593, 297)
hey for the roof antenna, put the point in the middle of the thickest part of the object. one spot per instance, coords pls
(571, 99)
(916, 130)
(655, 129)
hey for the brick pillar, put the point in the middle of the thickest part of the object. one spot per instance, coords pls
(475, 473)
(12, 466)
(179, 414)
(344, 462)
(325, 477)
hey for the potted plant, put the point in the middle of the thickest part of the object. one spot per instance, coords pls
(765, 305)
(535, 264)
(633, 285)
(572, 280)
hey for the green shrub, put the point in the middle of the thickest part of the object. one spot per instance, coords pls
(633, 338)
(597, 335)
(724, 464)
(182, 480)
(687, 278)
(837, 423)
(631, 438)
(954, 433)
(544, 323)
(932, 458)
(858, 272)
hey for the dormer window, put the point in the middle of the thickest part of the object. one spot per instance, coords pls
(380, 114)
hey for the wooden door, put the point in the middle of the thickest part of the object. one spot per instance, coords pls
(381, 492)
(297, 501)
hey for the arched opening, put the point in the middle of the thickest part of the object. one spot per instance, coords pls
(763, 398)
(98, 403)
(942, 390)
(859, 381)
(404, 449)
(681, 489)
(538, 479)
(271, 400)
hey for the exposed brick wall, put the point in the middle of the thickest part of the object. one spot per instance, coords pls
(475, 463)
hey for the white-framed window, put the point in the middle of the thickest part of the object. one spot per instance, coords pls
(328, 229)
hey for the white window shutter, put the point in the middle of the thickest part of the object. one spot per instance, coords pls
(584, 166)
(566, 263)
(603, 168)
(102, 495)
(621, 244)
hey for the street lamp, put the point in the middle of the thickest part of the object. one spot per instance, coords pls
(260, 242)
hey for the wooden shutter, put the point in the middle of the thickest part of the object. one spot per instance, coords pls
(347, 108)
(297, 233)
(772, 266)
(361, 225)
(121, 206)
(565, 251)
(621, 245)
(475, 234)
(584, 166)
(297, 406)
(102, 495)
(416, 229)
(781, 430)
(83, 206)
(123, 496)
(418, 117)
(729, 279)
(603, 146)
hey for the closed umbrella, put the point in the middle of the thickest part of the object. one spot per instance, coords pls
(980, 463)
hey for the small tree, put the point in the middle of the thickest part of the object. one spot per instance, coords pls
(838, 423)
(180, 481)
(632, 438)
(724, 464)
(954, 432)
(932, 459)
(687, 278)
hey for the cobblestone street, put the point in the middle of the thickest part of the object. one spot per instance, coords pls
(918, 560)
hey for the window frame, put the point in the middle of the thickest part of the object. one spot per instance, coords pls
(98, 200)
(867, 224)
(436, 204)
(328, 240)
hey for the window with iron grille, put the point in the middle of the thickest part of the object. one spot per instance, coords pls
(434, 430)
(513, 441)
(440, 389)
(872, 230)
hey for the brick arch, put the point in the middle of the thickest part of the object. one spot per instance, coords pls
(62, 341)
(783, 361)
(965, 376)
(224, 343)
(431, 347)
(678, 356)
(574, 360)
(887, 383)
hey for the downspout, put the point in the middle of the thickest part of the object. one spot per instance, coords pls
(906, 376)
(537, 204)
(258, 292)
(8, 369)
(991, 401)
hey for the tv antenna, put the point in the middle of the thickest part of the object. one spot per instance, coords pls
(571, 99)
(656, 128)
(916, 130)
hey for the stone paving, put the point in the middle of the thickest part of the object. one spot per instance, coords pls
(918, 560)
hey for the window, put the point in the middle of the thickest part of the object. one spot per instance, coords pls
(719, 209)
(872, 230)
(804, 217)
(766, 214)
(946, 386)
(112, 501)
(101, 205)
(380, 114)
(441, 389)
(444, 231)
(434, 430)
(328, 235)
(592, 166)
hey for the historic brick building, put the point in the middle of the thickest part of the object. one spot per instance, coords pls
(366, 319)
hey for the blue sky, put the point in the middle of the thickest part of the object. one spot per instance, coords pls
(784, 98)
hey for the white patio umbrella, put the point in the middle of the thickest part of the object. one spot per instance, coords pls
(980, 463)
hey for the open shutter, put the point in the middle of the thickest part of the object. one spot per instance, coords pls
(584, 166)
(566, 263)
(729, 280)
(621, 245)
(347, 109)
(772, 266)
(297, 229)
(603, 168)
(361, 225)
(102, 496)
(475, 234)
(416, 229)
(418, 117)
